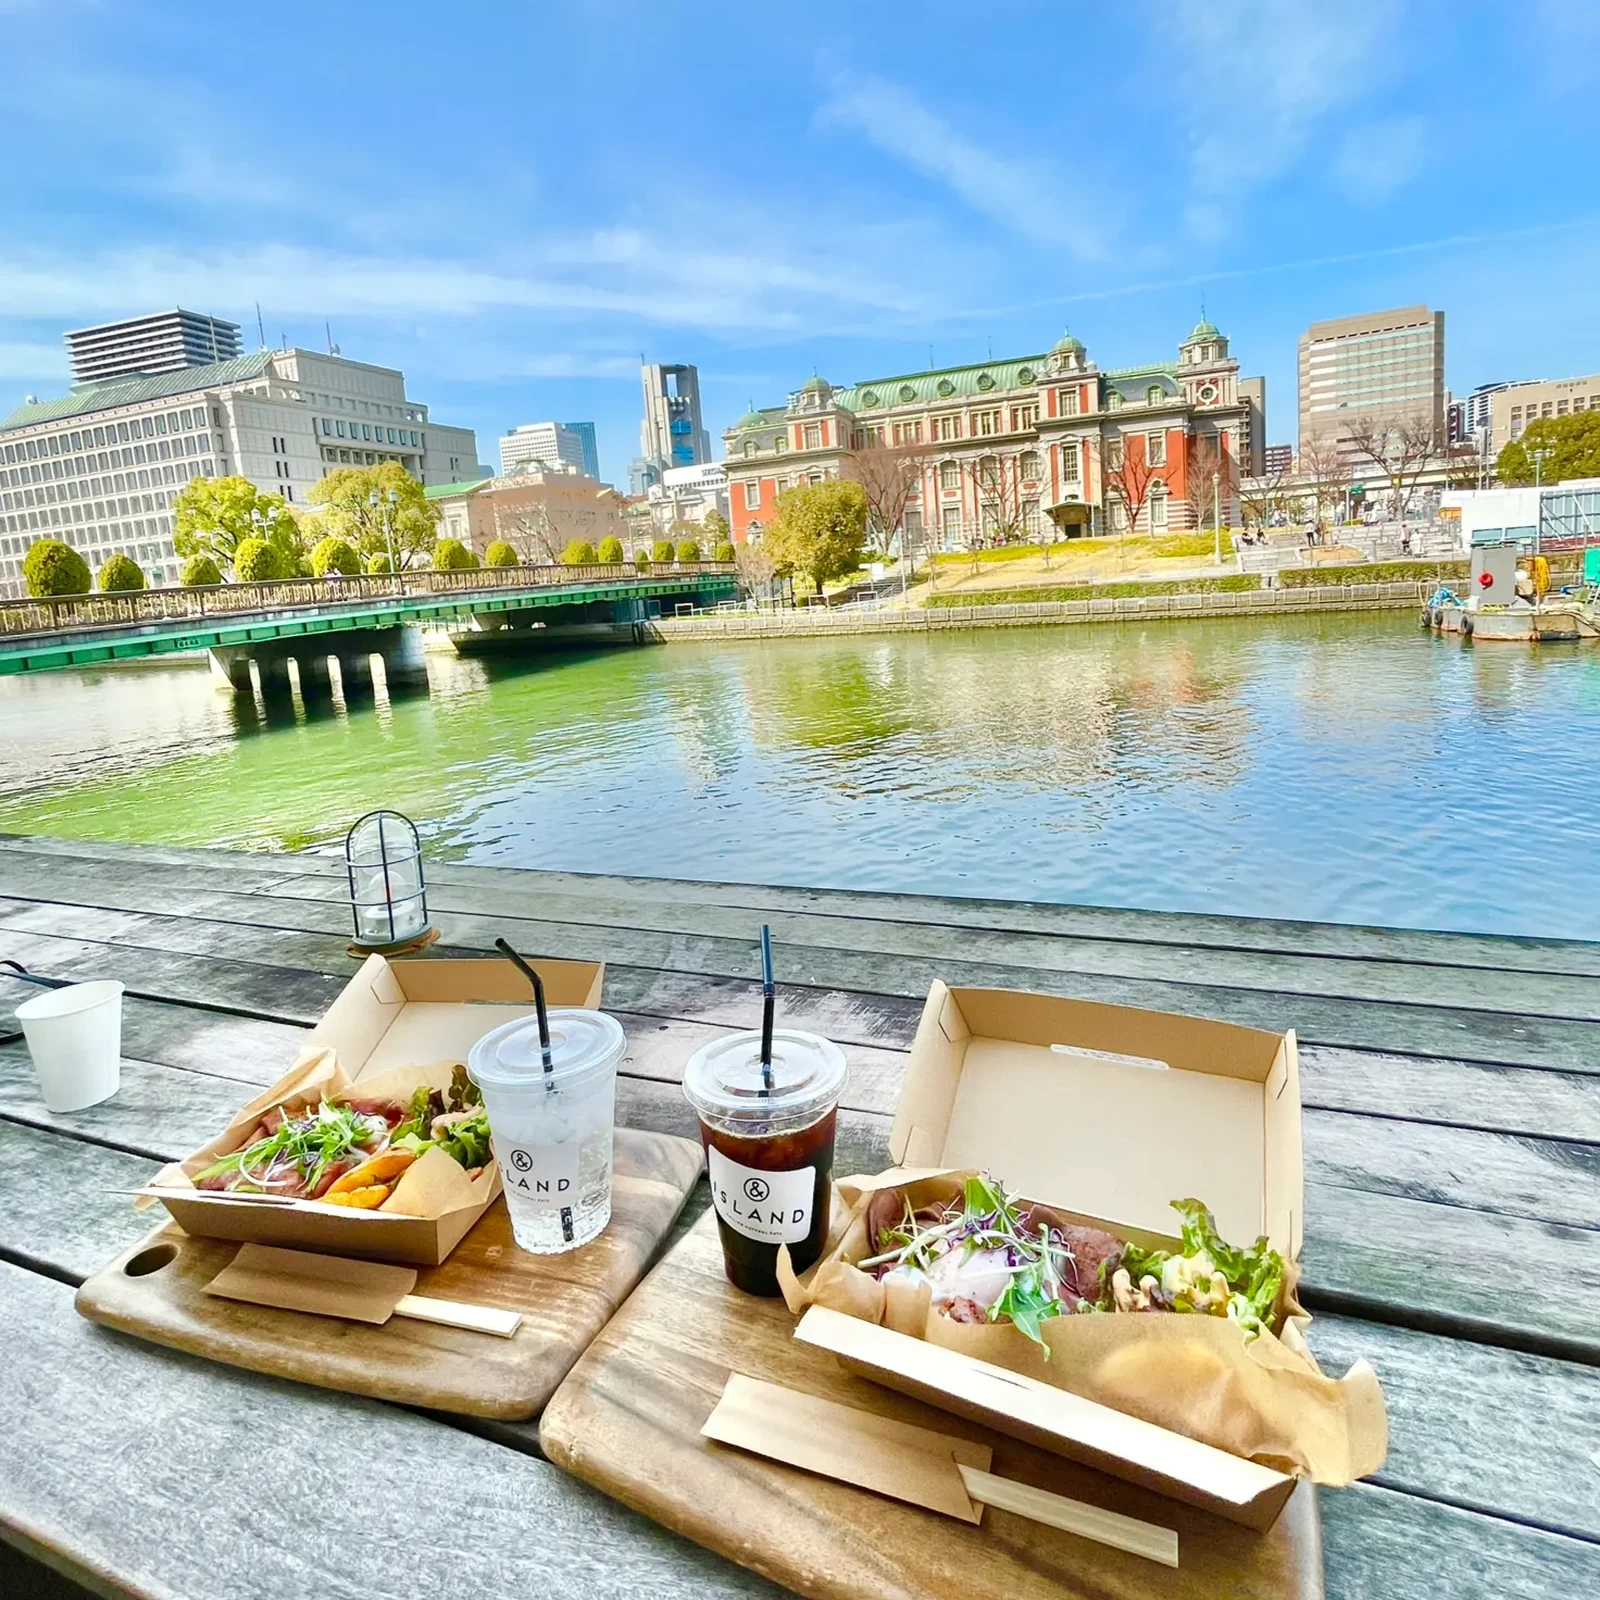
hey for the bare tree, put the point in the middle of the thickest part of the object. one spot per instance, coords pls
(1128, 477)
(1325, 472)
(997, 488)
(1402, 449)
(890, 474)
(756, 571)
(529, 531)
(1205, 458)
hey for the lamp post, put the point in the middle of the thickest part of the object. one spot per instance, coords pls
(1216, 518)
(1538, 455)
(383, 506)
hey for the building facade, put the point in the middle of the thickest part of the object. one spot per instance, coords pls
(537, 513)
(688, 494)
(1277, 460)
(672, 433)
(1387, 366)
(590, 464)
(1003, 448)
(146, 346)
(100, 468)
(545, 442)
(1513, 406)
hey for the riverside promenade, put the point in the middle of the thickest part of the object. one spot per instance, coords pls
(1451, 1086)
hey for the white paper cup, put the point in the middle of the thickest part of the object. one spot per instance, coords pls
(75, 1038)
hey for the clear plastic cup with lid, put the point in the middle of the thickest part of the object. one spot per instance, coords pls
(550, 1123)
(768, 1134)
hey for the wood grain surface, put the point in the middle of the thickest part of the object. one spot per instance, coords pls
(564, 1299)
(628, 1420)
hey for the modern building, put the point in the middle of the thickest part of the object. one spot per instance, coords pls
(1278, 460)
(689, 494)
(545, 444)
(146, 346)
(1386, 367)
(999, 446)
(537, 513)
(1253, 444)
(101, 467)
(672, 433)
(586, 441)
(1512, 406)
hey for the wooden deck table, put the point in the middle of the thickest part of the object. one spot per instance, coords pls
(1452, 1143)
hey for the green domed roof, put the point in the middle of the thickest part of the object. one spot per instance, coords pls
(816, 384)
(1204, 329)
(1065, 343)
(751, 419)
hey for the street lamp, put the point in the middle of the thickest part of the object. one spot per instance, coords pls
(384, 506)
(1539, 454)
(1216, 517)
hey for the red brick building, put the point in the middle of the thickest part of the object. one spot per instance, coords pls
(1005, 445)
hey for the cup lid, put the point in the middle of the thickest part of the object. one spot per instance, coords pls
(511, 1056)
(726, 1079)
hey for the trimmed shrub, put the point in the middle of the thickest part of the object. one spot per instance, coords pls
(580, 553)
(500, 554)
(610, 551)
(51, 567)
(661, 552)
(119, 574)
(378, 562)
(641, 559)
(725, 550)
(335, 555)
(256, 561)
(450, 555)
(1232, 583)
(200, 572)
(688, 550)
(1374, 572)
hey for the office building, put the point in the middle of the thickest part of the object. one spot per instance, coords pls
(1387, 367)
(169, 341)
(591, 450)
(1001, 446)
(543, 444)
(672, 433)
(1253, 440)
(1512, 406)
(101, 467)
(1277, 460)
(689, 494)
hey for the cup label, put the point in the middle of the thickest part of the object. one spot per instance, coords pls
(769, 1207)
(541, 1176)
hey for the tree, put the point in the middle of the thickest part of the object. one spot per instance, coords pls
(725, 551)
(714, 529)
(1128, 476)
(450, 555)
(335, 555)
(889, 475)
(412, 521)
(120, 574)
(530, 530)
(1572, 443)
(1325, 470)
(579, 553)
(378, 562)
(687, 550)
(52, 568)
(661, 551)
(997, 487)
(819, 530)
(214, 516)
(500, 554)
(1402, 449)
(641, 559)
(610, 552)
(1206, 457)
(259, 561)
(200, 572)
(756, 571)
(1260, 499)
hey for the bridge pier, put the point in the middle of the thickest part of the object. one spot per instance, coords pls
(230, 665)
(403, 657)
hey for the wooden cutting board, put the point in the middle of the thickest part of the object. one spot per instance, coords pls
(628, 1418)
(155, 1290)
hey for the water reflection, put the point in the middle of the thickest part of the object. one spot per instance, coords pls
(1344, 767)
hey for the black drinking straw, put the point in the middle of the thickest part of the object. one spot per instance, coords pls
(538, 998)
(768, 1000)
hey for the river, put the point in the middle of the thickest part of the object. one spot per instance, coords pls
(1343, 768)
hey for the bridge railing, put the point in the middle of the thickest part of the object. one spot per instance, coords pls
(63, 613)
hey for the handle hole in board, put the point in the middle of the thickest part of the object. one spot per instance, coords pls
(151, 1260)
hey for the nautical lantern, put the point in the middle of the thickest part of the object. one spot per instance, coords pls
(383, 857)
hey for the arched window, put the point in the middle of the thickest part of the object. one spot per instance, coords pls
(989, 474)
(1032, 471)
(750, 448)
(949, 475)
(1154, 395)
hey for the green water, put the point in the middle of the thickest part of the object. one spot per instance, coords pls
(1342, 768)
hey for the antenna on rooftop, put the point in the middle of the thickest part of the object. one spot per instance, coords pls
(327, 328)
(261, 329)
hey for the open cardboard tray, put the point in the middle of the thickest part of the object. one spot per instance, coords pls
(156, 1291)
(628, 1418)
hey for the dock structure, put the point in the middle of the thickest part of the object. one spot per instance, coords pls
(1452, 1231)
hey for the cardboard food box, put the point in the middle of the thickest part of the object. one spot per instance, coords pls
(1108, 1114)
(396, 1025)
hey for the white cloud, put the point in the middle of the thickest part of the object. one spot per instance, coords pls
(1024, 196)
(1377, 158)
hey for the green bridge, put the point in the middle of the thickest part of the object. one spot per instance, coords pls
(352, 619)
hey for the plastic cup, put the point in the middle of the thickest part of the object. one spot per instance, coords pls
(551, 1129)
(768, 1137)
(75, 1038)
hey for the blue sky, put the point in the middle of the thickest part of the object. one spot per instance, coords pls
(513, 201)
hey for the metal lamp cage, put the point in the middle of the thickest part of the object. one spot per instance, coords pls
(383, 861)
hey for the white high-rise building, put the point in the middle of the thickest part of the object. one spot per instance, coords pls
(145, 346)
(545, 443)
(100, 468)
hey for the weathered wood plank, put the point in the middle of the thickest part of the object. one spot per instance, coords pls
(154, 1473)
(1580, 957)
(472, 914)
(1478, 1427)
(1414, 1029)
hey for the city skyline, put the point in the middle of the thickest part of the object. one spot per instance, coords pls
(854, 214)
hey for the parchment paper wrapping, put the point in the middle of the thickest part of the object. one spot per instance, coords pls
(1264, 1398)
